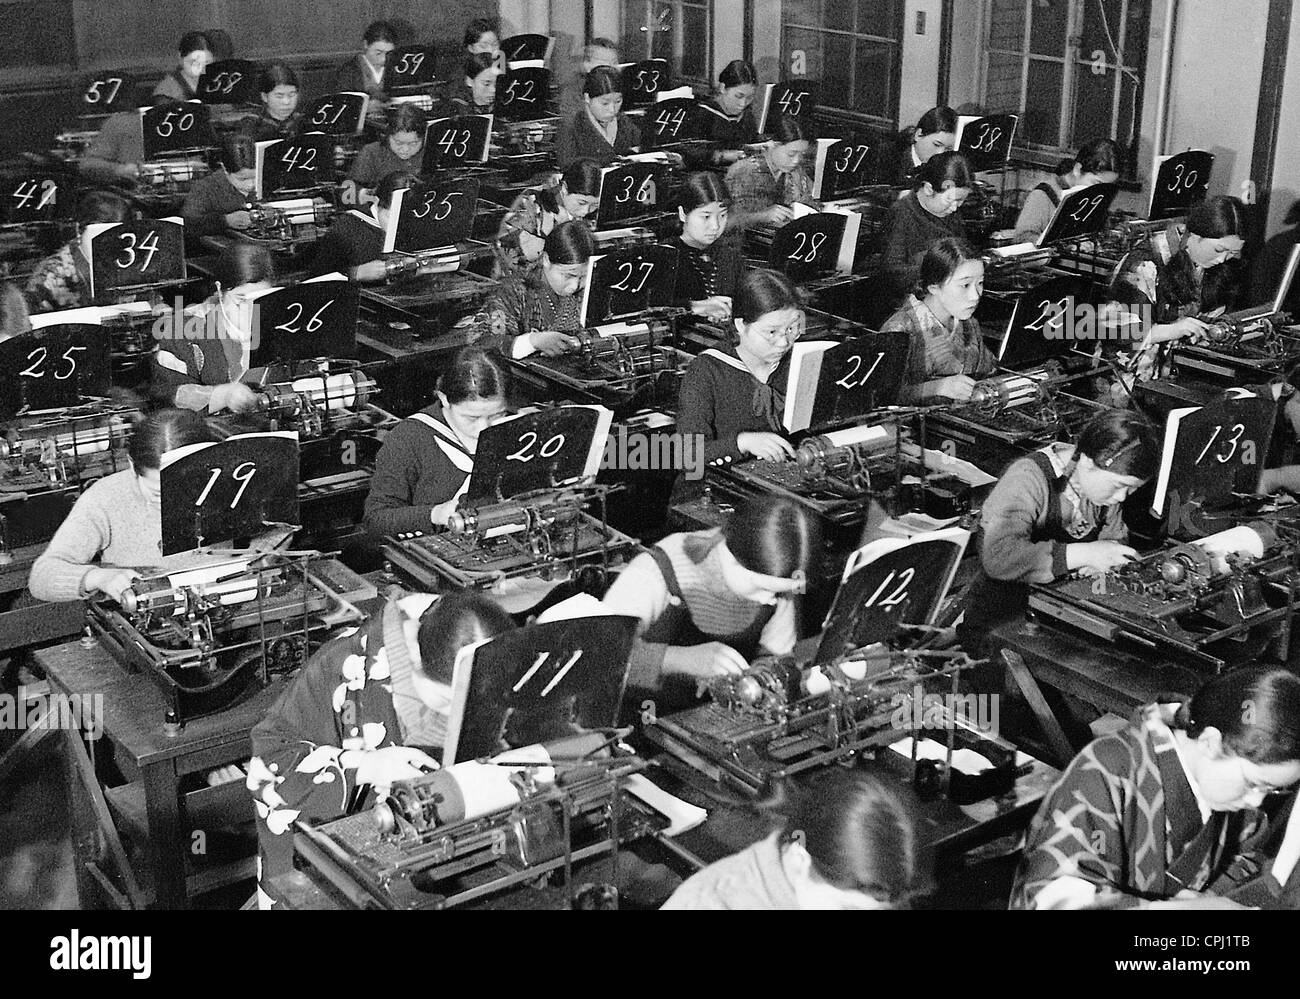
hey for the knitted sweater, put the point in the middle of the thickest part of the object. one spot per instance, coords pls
(750, 879)
(911, 231)
(209, 200)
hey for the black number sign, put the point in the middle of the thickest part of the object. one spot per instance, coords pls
(675, 120)
(986, 141)
(411, 66)
(808, 247)
(53, 367)
(530, 452)
(1041, 322)
(846, 166)
(231, 81)
(313, 319)
(175, 128)
(295, 164)
(1181, 182)
(438, 214)
(643, 82)
(335, 114)
(136, 253)
(629, 282)
(789, 99)
(858, 376)
(522, 93)
(234, 489)
(627, 191)
(27, 198)
(1080, 214)
(106, 93)
(525, 48)
(455, 142)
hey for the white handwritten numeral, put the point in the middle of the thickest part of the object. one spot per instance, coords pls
(37, 368)
(223, 83)
(520, 91)
(987, 140)
(431, 199)
(899, 593)
(313, 324)
(93, 94)
(647, 80)
(26, 191)
(805, 248)
(675, 119)
(847, 382)
(547, 450)
(792, 104)
(451, 145)
(299, 158)
(409, 64)
(1085, 210)
(1187, 182)
(175, 122)
(627, 269)
(133, 246)
(850, 159)
(243, 474)
(322, 115)
(1223, 458)
(1052, 316)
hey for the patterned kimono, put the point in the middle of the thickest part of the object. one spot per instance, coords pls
(60, 281)
(533, 215)
(521, 305)
(935, 351)
(1123, 821)
(354, 694)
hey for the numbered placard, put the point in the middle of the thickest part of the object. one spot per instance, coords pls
(628, 283)
(132, 254)
(28, 198)
(789, 99)
(175, 128)
(843, 165)
(1040, 321)
(526, 48)
(1080, 214)
(230, 81)
(456, 142)
(54, 367)
(628, 191)
(431, 215)
(856, 377)
(107, 93)
(296, 164)
(539, 684)
(522, 93)
(644, 81)
(675, 120)
(336, 114)
(986, 141)
(312, 319)
(809, 247)
(411, 66)
(1180, 182)
(538, 451)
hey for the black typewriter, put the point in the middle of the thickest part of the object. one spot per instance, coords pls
(427, 303)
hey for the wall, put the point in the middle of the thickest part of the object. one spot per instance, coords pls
(919, 79)
(1286, 164)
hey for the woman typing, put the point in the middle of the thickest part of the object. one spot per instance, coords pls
(709, 267)
(599, 130)
(925, 214)
(535, 214)
(764, 186)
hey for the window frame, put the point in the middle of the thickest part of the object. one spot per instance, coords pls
(675, 59)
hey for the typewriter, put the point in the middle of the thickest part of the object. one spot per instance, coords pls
(1212, 603)
(427, 304)
(288, 225)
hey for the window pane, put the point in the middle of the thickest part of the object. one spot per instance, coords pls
(1135, 33)
(828, 59)
(636, 40)
(806, 12)
(878, 17)
(1042, 121)
(1093, 94)
(1007, 25)
(1047, 30)
(834, 15)
(693, 42)
(1002, 93)
(872, 78)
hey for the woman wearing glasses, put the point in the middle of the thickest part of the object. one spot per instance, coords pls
(1158, 815)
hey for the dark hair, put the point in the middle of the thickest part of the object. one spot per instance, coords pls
(165, 430)
(453, 622)
(405, 118)
(861, 834)
(1099, 156)
(737, 73)
(14, 318)
(478, 62)
(938, 119)
(702, 188)
(219, 43)
(244, 262)
(942, 168)
(786, 129)
(276, 74)
(1256, 708)
(773, 536)
(1121, 442)
(941, 261)
(603, 80)
(379, 31)
(391, 183)
(599, 43)
(103, 206)
(762, 291)
(194, 41)
(238, 151)
(475, 373)
(570, 243)
(1064, 167)
(479, 27)
(582, 176)
(1217, 217)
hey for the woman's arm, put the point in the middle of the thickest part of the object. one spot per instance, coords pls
(782, 630)
(390, 507)
(1034, 217)
(60, 573)
(1017, 503)
(640, 592)
(697, 413)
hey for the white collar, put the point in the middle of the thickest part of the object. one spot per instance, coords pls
(377, 74)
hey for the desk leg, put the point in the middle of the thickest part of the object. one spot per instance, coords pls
(1051, 727)
(166, 846)
(93, 832)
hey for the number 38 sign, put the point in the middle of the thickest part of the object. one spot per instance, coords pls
(55, 367)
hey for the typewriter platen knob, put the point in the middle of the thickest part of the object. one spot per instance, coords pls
(1173, 571)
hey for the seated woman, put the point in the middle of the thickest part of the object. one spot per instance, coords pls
(424, 466)
(597, 52)
(478, 94)
(62, 280)
(1057, 511)
(115, 153)
(354, 244)
(899, 160)
(727, 117)
(221, 201)
(279, 117)
(114, 531)
(709, 267)
(482, 38)
(945, 350)
(181, 84)
(1098, 162)
(204, 374)
(535, 213)
(925, 214)
(764, 186)
(401, 150)
(1269, 266)
(539, 309)
(598, 131)
(14, 317)
(847, 841)
(368, 709)
(733, 398)
(710, 602)
(364, 72)
(1153, 816)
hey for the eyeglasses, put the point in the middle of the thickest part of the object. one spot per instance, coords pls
(1262, 788)
(789, 334)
